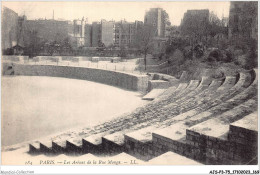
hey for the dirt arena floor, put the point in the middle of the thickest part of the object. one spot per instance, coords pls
(34, 107)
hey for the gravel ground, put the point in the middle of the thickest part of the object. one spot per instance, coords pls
(34, 107)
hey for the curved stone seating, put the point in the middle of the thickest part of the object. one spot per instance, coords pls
(208, 93)
(210, 97)
(165, 94)
(120, 134)
(193, 145)
(154, 93)
(191, 87)
(204, 84)
(116, 140)
(241, 85)
(143, 136)
(164, 125)
(201, 98)
(181, 86)
(62, 144)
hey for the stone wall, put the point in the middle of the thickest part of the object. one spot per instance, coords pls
(233, 150)
(119, 79)
(15, 58)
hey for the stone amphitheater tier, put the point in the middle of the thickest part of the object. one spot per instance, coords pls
(208, 121)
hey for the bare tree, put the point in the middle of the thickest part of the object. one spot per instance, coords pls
(145, 41)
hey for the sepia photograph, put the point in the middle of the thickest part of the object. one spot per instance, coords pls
(95, 83)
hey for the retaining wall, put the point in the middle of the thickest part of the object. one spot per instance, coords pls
(119, 79)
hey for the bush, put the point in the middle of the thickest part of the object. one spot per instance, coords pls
(220, 55)
(215, 55)
(227, 56)
(199, 52)
(245, 52)
(188, 52)
(177, 58)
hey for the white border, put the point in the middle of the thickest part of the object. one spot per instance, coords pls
(203, 169)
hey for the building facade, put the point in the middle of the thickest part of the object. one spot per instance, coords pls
(156, 18)
(9, 28)
(88, 35)
(194, 25)
(243, 19)
(79, 31)
(123, 33)
(107, 32)
(96, 34)
(48, 30)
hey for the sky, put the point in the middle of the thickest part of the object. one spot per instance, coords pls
(95, 11)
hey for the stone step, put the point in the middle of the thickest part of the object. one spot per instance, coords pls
(158, 84)
(163, 101)
(113, 143)
(34, 148)
(225, 94)
(165, 94)
(245, 130)
(58, 148)
(240, 93)
(228, 83)
(216, 84)
(202, 86)
(175, 135)
(223, 120)
(46, 147)
(211, 92)
(143, 136)
(205, 80)
(229, 104)
(223, 106)
(180, 88)
(187, 95)
(213, 136)
(172, 159)
(141, 121)
(246, 78)
(114, 139)
(74, 146)
(154, 93)
(93, 144)
(191, 87)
